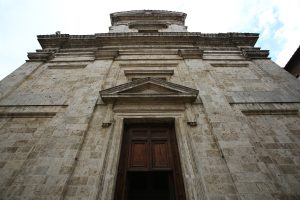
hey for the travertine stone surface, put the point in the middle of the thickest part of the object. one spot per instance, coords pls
(18, 138)
(54, 153)
(13, 81)
(277, 138)
(86, 177)
(238, 138)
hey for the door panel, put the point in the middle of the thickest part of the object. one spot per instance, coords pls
(160, 154)
(149, 156)
(138, 158)
(138, 133)
(159, 133)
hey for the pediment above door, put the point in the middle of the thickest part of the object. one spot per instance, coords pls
(153, 89)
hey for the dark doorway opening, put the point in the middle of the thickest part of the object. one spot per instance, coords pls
(150, 185)
(149, 166)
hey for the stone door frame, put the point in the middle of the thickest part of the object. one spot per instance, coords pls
(192, 180)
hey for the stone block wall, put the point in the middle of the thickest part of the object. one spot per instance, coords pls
(277, 138)
(18, 138)
(245, 145)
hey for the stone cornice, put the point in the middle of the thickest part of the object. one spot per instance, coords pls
(42, 55)
(255, 53)
(161, 38)
(121, 17)
(39, 56)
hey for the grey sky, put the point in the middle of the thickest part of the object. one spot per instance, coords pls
(21, 20)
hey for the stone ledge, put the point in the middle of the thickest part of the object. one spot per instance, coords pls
(70, 61)
(32, 109)
(255, 53)
(270, 112)
(66, 66)
(39, 56)
(27, 114)
(273, 96)
(229, 64)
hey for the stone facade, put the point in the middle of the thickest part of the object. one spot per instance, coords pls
(236, 112)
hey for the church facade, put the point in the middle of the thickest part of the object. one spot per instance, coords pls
(149, 111)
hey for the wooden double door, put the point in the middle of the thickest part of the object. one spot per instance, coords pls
(149, 166)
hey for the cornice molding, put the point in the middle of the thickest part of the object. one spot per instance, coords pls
(42, 55)
(39, 56)
(255, 53)
(161, 38)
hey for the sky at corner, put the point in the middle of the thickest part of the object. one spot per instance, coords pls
(277, 22)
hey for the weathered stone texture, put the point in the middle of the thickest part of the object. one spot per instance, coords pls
(238, 139)
(86, 177)
(17, 139)
(13, 81)
(53, 154)
(235, 138)
(277, 138)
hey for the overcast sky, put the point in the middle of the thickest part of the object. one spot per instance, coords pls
(277, 21)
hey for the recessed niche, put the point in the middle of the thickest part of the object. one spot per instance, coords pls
(136, 74)
(66, 66)
(229, 64)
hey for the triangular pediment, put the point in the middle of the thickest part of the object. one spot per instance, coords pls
(149, 88)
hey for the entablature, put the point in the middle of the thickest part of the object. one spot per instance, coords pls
(161, 38)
